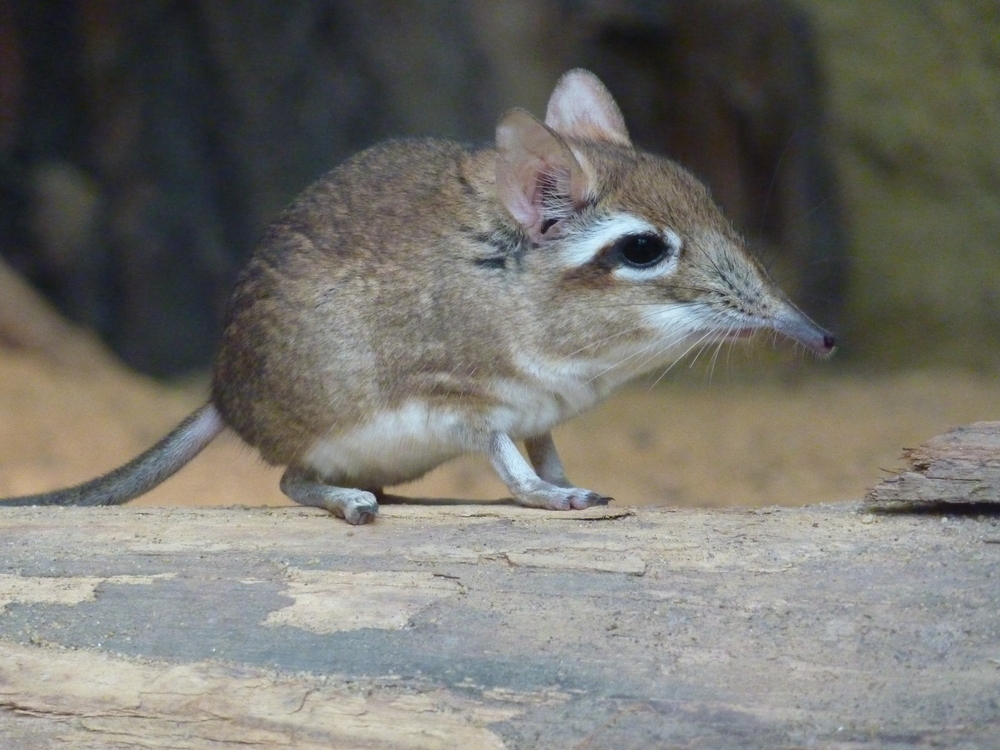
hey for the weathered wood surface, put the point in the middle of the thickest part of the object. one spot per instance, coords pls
(498, 627)
(960, 466)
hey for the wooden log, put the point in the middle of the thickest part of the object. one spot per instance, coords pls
(961, 466)
(492, 626)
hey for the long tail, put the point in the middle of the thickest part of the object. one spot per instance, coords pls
(143, 472)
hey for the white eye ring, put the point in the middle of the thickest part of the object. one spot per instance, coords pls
(582, 248)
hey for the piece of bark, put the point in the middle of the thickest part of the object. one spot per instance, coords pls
(960, 466)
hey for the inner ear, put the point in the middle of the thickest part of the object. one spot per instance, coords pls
(581, 107)
(554, 193)
(539, 181)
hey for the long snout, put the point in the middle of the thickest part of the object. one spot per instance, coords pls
(797, 326)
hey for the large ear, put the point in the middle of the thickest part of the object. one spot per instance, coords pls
(581, 107)
(538, 179)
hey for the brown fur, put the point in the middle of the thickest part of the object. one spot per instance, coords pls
(424, 299)
(363, 295)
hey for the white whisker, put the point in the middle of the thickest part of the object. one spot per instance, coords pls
(678, 359)
(601, 341)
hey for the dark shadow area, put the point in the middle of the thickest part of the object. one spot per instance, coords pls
(144, 146)
(963, 510)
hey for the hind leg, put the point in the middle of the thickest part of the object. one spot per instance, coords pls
(354, 506)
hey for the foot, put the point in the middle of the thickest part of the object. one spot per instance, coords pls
(354, 506)
(527, 487)
(551, 497)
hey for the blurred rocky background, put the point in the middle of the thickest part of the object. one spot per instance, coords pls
(144, 144)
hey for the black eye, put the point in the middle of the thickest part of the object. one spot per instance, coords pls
(642, 250)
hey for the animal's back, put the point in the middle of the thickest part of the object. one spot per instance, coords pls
(347, 293)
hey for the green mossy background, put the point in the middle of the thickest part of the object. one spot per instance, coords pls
(914, 126)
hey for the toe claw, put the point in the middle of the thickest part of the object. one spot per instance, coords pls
(589, 500)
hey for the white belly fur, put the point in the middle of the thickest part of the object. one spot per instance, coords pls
(393, 447)
(405, 443)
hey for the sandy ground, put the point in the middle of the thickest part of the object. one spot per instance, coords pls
(816, 434)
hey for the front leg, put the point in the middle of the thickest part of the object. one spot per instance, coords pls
(527, 487)
(544, 457)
